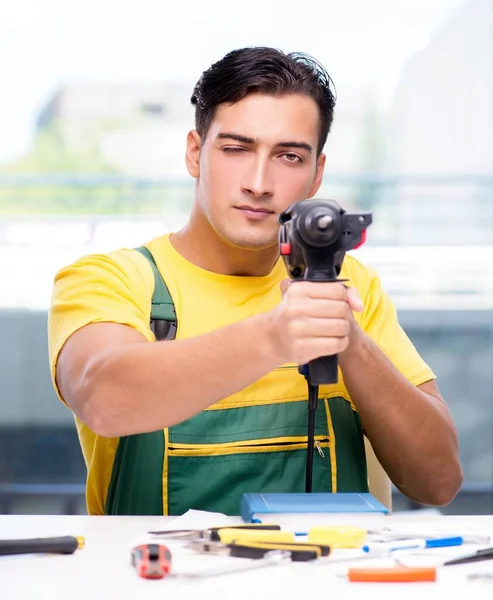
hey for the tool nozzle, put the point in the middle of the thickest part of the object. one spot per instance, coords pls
(325, 221)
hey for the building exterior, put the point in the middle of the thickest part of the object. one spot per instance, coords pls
(442, 121)
(136, 129)
(441, 126)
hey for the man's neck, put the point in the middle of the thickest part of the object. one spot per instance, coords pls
(203, 247)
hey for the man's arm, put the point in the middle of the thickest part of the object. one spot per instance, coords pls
(106, 366)
(118, 383)
(410, 427)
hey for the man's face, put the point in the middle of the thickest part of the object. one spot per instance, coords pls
(259, 157)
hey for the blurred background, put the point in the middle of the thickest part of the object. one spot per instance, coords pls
(94, 112)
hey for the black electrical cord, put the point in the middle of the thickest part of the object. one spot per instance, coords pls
(312, 409)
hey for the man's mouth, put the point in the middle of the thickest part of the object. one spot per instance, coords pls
(255, 209)
(255, 213)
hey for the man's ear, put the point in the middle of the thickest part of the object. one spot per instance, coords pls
(319, 174)
(192, 156)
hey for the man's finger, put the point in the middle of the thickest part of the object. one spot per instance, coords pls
(354, 300)
(284, 285)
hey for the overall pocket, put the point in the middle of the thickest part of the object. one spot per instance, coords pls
(214, 476)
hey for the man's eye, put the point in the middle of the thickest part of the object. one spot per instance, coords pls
(233, 149)
(293, 157)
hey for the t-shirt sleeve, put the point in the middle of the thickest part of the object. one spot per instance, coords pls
(99, 288)
(379, 320)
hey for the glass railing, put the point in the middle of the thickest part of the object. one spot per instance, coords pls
(437, 231)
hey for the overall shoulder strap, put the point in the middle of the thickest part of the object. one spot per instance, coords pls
(163, 314)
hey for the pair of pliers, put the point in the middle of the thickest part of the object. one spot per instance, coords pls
(298, 551)
(213, 533)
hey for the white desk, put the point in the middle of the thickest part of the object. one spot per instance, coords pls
(102, 569)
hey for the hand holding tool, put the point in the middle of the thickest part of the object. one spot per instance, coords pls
(314, 236)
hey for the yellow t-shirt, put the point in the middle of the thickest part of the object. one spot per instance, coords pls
(118, 287)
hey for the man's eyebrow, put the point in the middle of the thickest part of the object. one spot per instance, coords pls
(247, 140)
(301, 145)
(237, 137)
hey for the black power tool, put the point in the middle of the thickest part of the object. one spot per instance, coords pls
(314, 237)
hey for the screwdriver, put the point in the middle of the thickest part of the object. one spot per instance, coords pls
(67, 544)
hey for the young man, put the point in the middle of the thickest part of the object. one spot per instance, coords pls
(195, 421)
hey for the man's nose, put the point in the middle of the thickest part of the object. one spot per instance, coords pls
(258, 179)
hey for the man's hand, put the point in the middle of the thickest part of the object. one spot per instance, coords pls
(315, 319)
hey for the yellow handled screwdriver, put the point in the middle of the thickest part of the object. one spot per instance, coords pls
(67, 544)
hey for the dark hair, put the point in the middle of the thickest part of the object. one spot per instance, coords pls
(264, 71)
